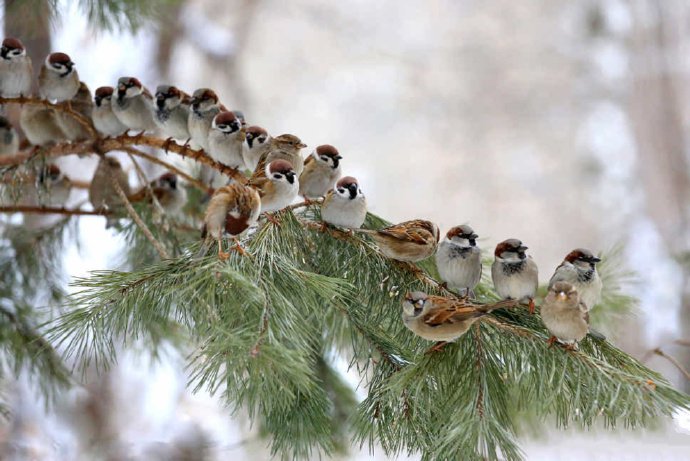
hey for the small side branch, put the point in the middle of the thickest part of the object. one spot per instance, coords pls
(53, 210)
(674, 361)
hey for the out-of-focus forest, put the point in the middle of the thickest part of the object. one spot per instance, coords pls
(563, 123)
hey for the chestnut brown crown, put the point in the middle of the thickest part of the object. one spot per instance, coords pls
(581, 254)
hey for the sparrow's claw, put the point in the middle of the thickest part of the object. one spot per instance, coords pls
(239, 248)
(324, 226)
(222, 255)
(437, 347)
(308, 201)
(531, 306)
(137, 137)
(272, 218)
(570, 347)
(551, 341)
(167, 143)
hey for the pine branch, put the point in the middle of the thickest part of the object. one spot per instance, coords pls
(674, 361)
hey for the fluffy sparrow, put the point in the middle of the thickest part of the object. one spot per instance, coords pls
(231, 210)
(321, 171)
(284, 147)
(55, 185)
(442, 319)
(171, 111)
(16, 71)
(515, 274)
(205, 106)
(9, 140)
(459, 260)
(58, 80)
(40, 125)
(102, 194)
(46, 187)
(278, 187)
(579, 268)
(345, 205)
(409, 241)
(226, 139)
(564, 314)
(82, 103)
(258, 145)
(167, 190)
(133, 105)
(102, 116)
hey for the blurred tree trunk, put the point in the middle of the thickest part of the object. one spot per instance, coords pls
(29, 21)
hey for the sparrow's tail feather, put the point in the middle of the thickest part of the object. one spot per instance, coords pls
(203, 248)
(498, 305)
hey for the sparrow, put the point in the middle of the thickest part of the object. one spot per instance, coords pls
(409, 241)
(514, 274)
(133, 105)
(579, 268)
(258, 145)
(167, 190)
(205, 106)
(58, 80)
(458, 259)
(278, 187)
(102, 116)
(442, 319)
(82, 103)
(171, 111)
(102, 194)
(564, 314)
(321, 171)
(9, 139)
(47, 187)
(231, 210)
(16, 70)
(285, 147)
(40, 125)
(345, 205)
(226, 139)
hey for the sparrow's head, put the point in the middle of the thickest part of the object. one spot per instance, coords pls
(563, 292)
(511, 250)
(103, 95)
(280, 170)
(348, 188)
(288, 141)
(113, 163)
(256, 136)
(168, 97)
(328, 155)
(415, 303)
(204, 99)
(50, 175)
(582, 258)
(12, 48)
(59, 63)
(462, 235)
(226, 122)
(167, 181)
(128, 87)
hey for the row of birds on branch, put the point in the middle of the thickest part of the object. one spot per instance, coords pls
(279, 175)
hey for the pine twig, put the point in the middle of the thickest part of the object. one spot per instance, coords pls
(53, 210)
(674, 361)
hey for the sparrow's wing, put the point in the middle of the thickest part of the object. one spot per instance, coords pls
(147, 94)
(585, 312)
(451, 312)
(407, 233)
(308, 160)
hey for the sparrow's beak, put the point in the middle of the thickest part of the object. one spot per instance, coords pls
(353, 191)
(301, 145)
(97, 101)
(594, 259)
(3, 52)
(473, 236)
(561, 296)
(523, 248)
(160, 101)
(290, 177)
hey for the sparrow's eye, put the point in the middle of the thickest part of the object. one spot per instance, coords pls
(341, 190)
(16, 52)
(324, 158)
(262, 138)
(277, 175)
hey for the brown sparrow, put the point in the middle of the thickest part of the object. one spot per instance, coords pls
(205, 106)
(102, 194)
(284, 147)
(82, 103)
(40, 125)
(459, 260)
(226, 139)
(171, 111)
(442, 319)
(515, 274)
(16, 71)
(102, 116)
(409, 241)
(9, 140)
(58, 80)
(321, 171)
(278, 187)
(133, 105)
(167, 190)
(231, 210)
(579, 268)
(345, 205)
(564, 314)
(258, 145)
(47, 187)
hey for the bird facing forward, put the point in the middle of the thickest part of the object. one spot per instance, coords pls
(579, 268)
(58, 80)
(321, 171)
(565, 315)
(515, 275)
(16, 70)
(345, 205)
(459, 260)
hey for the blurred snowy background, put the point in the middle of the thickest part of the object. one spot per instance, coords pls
(563, 123)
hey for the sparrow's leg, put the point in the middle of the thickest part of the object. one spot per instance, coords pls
(308, 201)
(239, 248)
(531, 306)
(551, 341)
(571, 346)
(222, 255)
(437, 347)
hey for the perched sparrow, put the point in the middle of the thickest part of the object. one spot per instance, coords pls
(321, 171)
(171, 111)
(258, 145)
(287, 147)
(47, 187)
(205, 106)
(133, 105)
(442, 319)
(81, 104)
(409, 241)
(9, 140)
(168, 192)
(16, 71)
(514, 273)
(58, 79)
(564, 314)
(579, 268)
(102, 194)
(225, 140)
(345, 205)
(232, 210)
(459, 260)
(40, 125)
(278, 188)
(103, 117)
